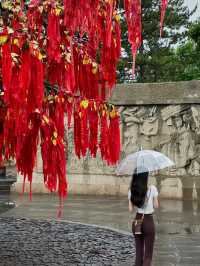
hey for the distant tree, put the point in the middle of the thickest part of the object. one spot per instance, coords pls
(188, 55)
(194, 34)
(185, 63)
(154, 58)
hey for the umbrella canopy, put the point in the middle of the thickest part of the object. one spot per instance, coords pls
(143, 161)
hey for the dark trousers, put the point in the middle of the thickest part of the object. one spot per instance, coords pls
(145, 241)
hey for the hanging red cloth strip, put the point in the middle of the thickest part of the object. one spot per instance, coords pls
(6, 69)
(36, 89)
(133, 17)
(68, 109)
(9, 135)
(77, 129)
(27, 158)
(164, 4)
(54, 37)
(93, 128)
(54, 159)
(104, 133)
(114, 137)
(84, 126)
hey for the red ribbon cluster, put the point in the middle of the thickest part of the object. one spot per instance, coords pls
(77, 42)
(74, 47)
(96, 126)
(91, 117)
(133, 17)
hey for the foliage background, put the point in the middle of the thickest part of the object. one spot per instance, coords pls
(173, 57)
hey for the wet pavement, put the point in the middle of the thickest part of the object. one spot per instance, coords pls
(178, 223)
(35, 242)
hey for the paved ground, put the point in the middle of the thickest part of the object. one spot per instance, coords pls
(178, 223)
(32, 242)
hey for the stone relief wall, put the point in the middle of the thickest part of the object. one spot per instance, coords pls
(171, 129)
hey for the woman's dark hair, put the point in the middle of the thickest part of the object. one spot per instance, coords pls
(138, 188)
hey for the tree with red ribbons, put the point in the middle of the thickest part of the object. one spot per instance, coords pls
(58, 60)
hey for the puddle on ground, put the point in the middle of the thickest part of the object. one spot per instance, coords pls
(6, 206)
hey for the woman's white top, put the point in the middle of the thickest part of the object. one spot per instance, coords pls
(147, 208)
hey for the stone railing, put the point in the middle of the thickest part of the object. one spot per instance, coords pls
(164, 117)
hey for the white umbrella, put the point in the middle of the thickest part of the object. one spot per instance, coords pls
(142, 161)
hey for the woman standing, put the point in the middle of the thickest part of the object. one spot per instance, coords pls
(145, 199)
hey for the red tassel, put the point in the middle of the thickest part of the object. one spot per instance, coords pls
(103, 91)
(21, 131)
(117, 37)
(84, 126)
(26, 161)
(133, 17)
(9, 135)
(36, 89)
(6, 70)
(110, 8)
(59, 115)
(114, 137)
(93, 128)
(54, 161)
(68, 109)
(54, 38)
(104, 133)
(25, 75)
(77, 131)
(164, 4)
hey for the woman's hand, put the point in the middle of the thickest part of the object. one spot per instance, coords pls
(155, 202)
(130, 206)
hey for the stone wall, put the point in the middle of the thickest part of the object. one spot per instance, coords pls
(164, 117)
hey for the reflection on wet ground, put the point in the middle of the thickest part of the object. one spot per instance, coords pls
(178, 222)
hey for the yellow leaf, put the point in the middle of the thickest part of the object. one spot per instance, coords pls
(16, 42)
(86, 60)
(84, 103)
(113, 113)
(58, 11)
(40, 56)
(94, 68)
(54, 142)
(55, 134)
(117, 17)
(3, 39)
(46, 119)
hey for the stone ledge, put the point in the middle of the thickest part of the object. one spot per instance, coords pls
(184, 92)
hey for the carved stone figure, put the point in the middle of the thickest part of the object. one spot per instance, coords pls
(131, 123)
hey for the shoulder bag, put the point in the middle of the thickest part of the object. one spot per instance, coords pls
(137, 226)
